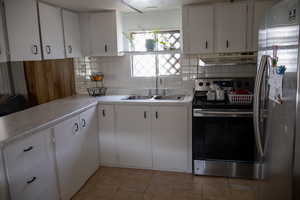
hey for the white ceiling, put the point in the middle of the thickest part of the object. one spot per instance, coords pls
(93, 5)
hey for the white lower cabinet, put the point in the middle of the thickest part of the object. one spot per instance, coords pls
(170, 138)
(76, 145)
(107, 138)
(30, 167)
(133, 125)
(144, 136)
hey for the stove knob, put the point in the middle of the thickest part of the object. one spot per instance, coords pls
(208, 84)
(201, 84)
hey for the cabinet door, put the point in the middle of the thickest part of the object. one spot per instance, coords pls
(231, 27)
(199, 29)
(72, 34)
(3, 49)
(107, 137)
(89, 151)
(23, 30)
(51, 31)
(68, 145)
(170, 138)
(260, 9)
(133, 126)
(103, 33)
(31, 168)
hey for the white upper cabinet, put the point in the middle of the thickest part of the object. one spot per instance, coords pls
(23, 30)
(198, 31)
(260, 8)
(3, 48)
(231, 27)
(103, 37)
(71, 33)
(51, 31)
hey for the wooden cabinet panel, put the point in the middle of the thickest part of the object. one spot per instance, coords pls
(3, 48)
(51, 31)
(49, 80)
(170, 138)
(231, 27)
(23, 30)
(133, 131)
(107, 136)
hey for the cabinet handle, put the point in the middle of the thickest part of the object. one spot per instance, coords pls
(156, 115)
(48, 49)
(206, 44)
(31, 181)
(28, 149)
(105, 47)
(145, 115)
(103, 113)
(83, 123)
(227, 44)
(35, 49)
(70, 49)
(76, 128)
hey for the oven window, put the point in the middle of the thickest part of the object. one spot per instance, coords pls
(223, 139)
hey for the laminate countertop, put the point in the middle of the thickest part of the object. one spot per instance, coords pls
(47, 115)
(121, 99)
(42, 116)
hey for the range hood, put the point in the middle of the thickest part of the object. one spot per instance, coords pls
(225, 58)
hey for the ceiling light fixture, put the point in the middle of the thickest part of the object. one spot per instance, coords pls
(130, 6)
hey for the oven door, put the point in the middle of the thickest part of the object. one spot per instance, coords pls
(226, 135)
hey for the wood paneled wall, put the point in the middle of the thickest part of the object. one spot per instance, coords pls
(49, 80)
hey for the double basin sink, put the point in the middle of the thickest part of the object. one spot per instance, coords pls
(156, 97)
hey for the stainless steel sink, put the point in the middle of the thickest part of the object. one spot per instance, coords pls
(170, 97)
(138, 97)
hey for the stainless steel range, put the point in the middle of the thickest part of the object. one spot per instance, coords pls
(223, 132)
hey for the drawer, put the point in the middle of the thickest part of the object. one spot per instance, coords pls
(23, 154)
(38, 183)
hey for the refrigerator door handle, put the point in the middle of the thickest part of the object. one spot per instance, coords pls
(263, 66)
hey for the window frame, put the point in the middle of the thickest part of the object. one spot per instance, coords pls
(156, 54)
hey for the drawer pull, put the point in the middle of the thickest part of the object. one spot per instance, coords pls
(83, 123)
(31, 181)
(28, 149)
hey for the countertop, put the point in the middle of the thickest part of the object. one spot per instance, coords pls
(47, 115)
(42, 116)
(119, 99)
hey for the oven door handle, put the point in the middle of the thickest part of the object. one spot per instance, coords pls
(207, 113)
(263, 66)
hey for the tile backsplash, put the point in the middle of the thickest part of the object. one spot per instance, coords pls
(118, 79)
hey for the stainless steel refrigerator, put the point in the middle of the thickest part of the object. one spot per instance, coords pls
(277, 126)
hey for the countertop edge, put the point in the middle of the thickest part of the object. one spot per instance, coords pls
(49, 124)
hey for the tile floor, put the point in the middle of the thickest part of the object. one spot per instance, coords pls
(135, 184)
